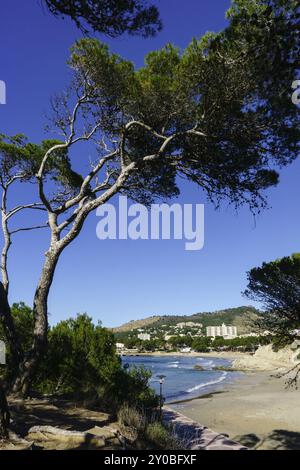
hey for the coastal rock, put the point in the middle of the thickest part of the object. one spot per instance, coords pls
(198, 367)
(266, 359)
(41, 435)
(15, 442)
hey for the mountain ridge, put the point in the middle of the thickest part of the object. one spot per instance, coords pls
(242, 317)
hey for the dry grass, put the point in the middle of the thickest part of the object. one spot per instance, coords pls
(135, 425)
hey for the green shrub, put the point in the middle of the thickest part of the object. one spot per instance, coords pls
(132, 422)
(81, 362)
(280, 342)
(131, 387)
(135, 424)
(162, 437)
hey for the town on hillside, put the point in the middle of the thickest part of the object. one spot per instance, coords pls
(192, 336)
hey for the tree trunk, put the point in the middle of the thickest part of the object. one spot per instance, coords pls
(9, 329)
(29, 364)
(4, 414)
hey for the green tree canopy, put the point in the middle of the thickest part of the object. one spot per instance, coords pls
(111, 17)
(218, 113)
(21, 159)
(277, 285)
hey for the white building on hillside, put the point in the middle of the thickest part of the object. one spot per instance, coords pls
(120, 347)
(246, 335)
(228, 332)
(189, 324)
(144, 336)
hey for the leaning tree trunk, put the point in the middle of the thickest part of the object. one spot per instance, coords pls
(31, 360)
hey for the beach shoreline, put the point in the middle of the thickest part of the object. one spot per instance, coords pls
(224, 354)
(256, 410)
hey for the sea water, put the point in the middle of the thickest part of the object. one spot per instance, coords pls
(182, 379)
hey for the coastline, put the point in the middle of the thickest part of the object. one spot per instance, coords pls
(256, 410)
(223, 354)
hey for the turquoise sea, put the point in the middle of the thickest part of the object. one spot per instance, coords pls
(182, 381)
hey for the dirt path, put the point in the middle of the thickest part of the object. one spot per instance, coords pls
(97, 428)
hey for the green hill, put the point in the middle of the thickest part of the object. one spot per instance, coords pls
(241, 317)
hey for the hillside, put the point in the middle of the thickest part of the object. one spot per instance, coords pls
(135, 324)
(241, 317)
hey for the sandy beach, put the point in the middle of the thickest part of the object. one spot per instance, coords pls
(223, 354)
(257, 410)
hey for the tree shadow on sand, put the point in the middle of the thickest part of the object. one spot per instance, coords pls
(279, 439)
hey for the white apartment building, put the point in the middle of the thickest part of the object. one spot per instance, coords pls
(228, 332)
(144, 336)
(120, 347)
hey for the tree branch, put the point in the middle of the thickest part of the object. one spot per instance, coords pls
(27, 229)
(34, 206)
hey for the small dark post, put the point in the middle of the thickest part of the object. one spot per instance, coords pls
(161, 398)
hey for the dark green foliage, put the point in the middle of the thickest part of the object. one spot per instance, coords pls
(218, 113)
(277, 285)
(248, 343)
(79, 359)
(131, 387)
(81, 362)
(181, 341)
(19, 157)
(225, 87)
(131, 343)
(111, 17)
(201, 344)
(241, 317)
(23, 319)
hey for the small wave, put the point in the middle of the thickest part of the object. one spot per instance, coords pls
(212, 382)
(207, 363)
(174, 366)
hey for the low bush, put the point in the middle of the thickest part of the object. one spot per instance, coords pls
(163, 437)
(137, 425)
(132, 422)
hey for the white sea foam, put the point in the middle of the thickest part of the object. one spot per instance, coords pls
(205, 384)
(207, 363)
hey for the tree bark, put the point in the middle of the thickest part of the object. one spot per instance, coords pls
(29, 364)
(4, 413)
(9, 329)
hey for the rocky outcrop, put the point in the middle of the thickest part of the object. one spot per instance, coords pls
(266, 359)
(50, 437)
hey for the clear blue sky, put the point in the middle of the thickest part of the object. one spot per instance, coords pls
(116, 281)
